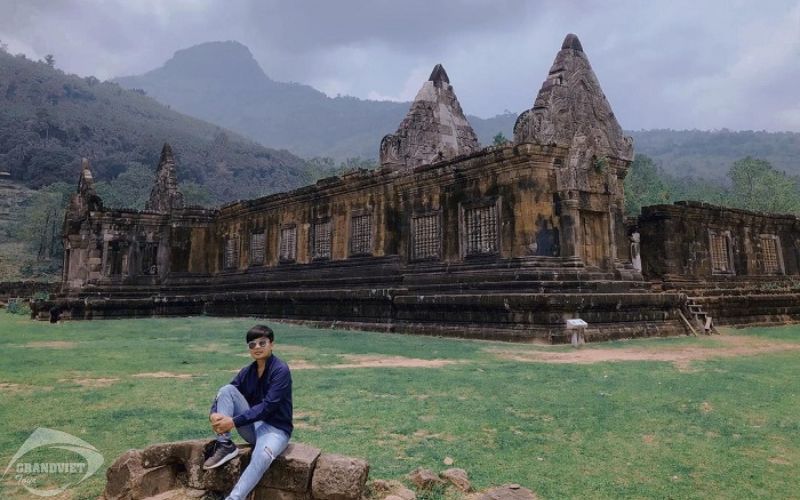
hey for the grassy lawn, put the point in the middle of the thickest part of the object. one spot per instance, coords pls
(710, 428)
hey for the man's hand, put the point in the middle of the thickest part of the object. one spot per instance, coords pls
(221, 423)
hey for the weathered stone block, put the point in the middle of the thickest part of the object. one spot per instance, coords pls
(122, 474)
(155, 481)
(220, 479)
(424, 479)
(390, 490)
(171, 453)
(508, 492)
(293, 469)
(337, 477)
(458, 478)
(262, 493)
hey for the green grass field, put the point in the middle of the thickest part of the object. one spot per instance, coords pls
(705, 427)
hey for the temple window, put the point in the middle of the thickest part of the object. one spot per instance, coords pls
(426, 238)
(721, 256)
(116, 258)
(361, 234)
(257, 244)
(480, 230)
(149, 251)
(321, 240)
(770, 254)
(288, 246)
(231, 256)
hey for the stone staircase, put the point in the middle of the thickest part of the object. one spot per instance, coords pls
(741, 302)
(699, 317)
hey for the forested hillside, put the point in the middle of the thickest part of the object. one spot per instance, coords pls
(49, 120)
(709, 154)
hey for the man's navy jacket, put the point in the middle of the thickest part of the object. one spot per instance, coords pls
(270, 397)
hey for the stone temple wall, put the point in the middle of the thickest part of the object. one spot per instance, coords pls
(692, 241)
(736, 266)
(481, 245)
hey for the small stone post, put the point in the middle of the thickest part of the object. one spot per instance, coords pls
(578, 328)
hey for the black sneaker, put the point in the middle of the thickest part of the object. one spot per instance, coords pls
(221, 452)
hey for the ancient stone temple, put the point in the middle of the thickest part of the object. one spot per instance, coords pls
(444, 238)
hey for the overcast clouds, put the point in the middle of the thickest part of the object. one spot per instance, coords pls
(678, 64)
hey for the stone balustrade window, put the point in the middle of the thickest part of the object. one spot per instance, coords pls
(257, 246)
(361, 234)
(426, 236)
(149, 251)
(480, 230)
(116, 258)
(321, 240)
(721, 256)
(231, 255)
(288, 247)
(771, 260)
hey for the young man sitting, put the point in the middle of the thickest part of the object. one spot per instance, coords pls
(258, 402)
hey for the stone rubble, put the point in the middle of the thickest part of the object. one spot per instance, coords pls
(174, 471)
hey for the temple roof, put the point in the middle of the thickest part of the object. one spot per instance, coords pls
(165, 195)
(572, 110)
(85, 198)
(439, 75)
(434, 129)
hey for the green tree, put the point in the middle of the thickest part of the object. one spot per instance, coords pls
(499, 139)
(756, 185)
(691, 188)
(195, 194)
(645, 185)
(50, 60)
(320, 167)
(130, 189)
(356, 163)
(40, 221)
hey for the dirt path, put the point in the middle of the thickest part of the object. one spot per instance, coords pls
(375, 361)
(681, 356)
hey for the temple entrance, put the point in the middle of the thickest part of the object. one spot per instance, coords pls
(595, 240)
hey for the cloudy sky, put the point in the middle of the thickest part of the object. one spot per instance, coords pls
(663, 64)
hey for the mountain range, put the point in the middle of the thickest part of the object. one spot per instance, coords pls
(49, 120)
(221, 82)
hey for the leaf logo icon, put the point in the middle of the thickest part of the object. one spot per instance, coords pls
(44, 438)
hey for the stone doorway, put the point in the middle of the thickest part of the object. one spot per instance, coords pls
(595, 239)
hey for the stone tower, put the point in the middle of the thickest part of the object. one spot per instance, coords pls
(572, 111)
(434, 129)
(85, 199)
(82, 251)
(165, 195)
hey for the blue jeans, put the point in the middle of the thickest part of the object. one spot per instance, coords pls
(268, 441)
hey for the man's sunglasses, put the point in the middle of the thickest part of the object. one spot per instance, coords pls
(259, 343)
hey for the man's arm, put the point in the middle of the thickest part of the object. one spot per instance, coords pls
(280, 388)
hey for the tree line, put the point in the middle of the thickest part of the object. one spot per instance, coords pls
(38, 222)
(750, 184)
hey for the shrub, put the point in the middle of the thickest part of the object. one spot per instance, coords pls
(18, 306)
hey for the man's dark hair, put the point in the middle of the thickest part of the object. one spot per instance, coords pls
(259, 331)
